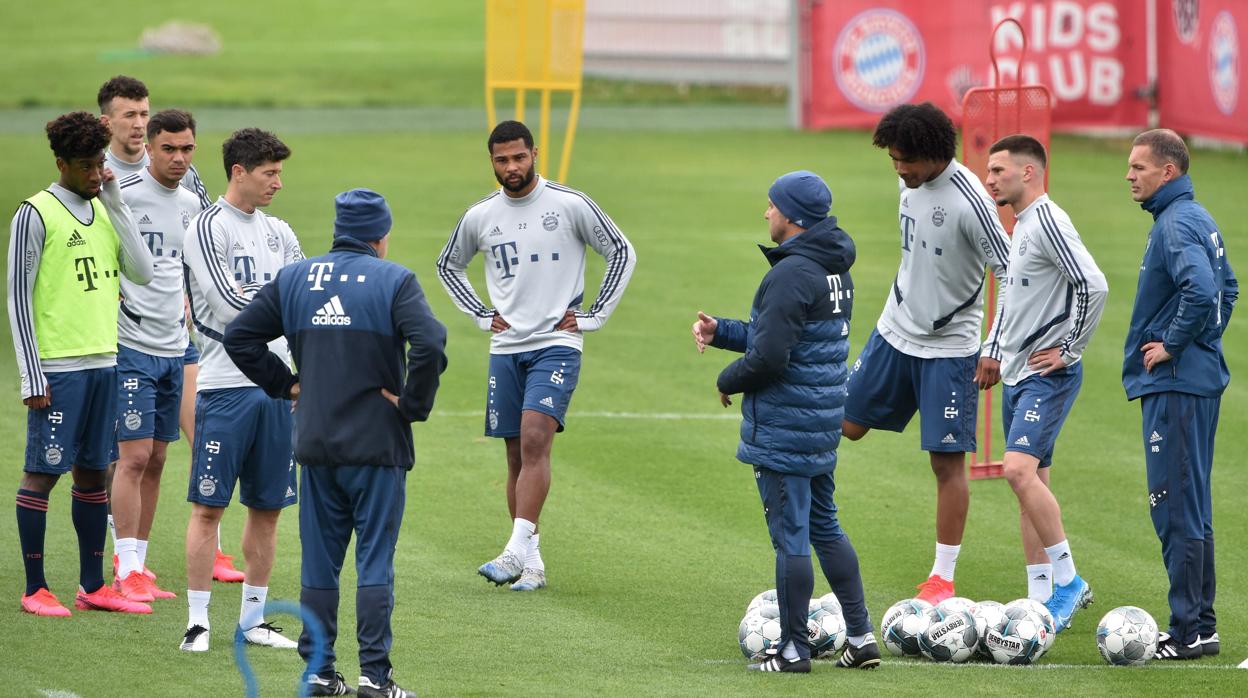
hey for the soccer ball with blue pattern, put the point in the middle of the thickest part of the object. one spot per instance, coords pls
(827, 632)
(1018, 638)
(987, 614)
(903, 622)
(757, 634)
(1127, 636)
(765, 597)
(1045, 617)
(950, 635)
(828, 602)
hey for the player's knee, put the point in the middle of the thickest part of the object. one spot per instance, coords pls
(39, 482)
(1020, 470)
(87, 479)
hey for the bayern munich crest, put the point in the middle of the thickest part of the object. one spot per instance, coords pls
(878, 60)
(1224, 62)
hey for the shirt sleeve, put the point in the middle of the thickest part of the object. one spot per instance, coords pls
(26, 235)
(600, 233)
(1076, 264)
(293, 252)
(781, 315)
(984, 230)
(195, 184)
(426, 349)
(1230, 293)
(730, 334)
(247, 338)
(135, 259)
(1187, 261)
(205, 259)
(451, 266)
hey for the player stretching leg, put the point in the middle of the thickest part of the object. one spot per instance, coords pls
(534, 233)
(922, 354)
(1054, 295)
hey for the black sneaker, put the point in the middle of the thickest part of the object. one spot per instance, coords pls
(777, 662)
(865, 656)
(389, 689)
(1170, 648)
(1211, 646)
(336, 686)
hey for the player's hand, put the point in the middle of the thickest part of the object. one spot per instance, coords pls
(39, 402)
(568, 323)
(394, 399)
(499, 324)
(294, 394)
(110, 190)
(725, 400)
(704, 331)
(1047, 361)
(1154, 353)
(987, 372)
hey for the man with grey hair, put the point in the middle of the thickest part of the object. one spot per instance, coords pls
(1173, 362)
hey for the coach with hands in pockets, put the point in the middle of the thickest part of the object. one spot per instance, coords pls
(347, 317)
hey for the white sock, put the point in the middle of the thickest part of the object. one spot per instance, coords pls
(1063, 563)
(860, 640)
(521, 532)
(198, 603)
(218, 536)
(142, 551)
(127, 556)
(534, 558)
(252, 612)
(112, 532)
(1039, 582)
(946, 560)
(790, 651)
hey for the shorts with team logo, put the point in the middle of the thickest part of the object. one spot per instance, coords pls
(243, 436)
(149, 395)
(887, 386)
(79, 427)
(192, 354)
(1034, 410)
(542, 381)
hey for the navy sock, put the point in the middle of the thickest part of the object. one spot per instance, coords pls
(32, 522)
(89, 510)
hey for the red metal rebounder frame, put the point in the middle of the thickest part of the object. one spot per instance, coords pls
(988, 113)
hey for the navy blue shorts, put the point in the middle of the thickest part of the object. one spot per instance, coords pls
(80, 426)
(887, 386)
(149, 395)
(541, 381)
(244, 436)
(192, 354)
(1034, 410)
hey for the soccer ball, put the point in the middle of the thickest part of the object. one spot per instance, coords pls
(767, 610)
(1018, 638)
(955, 603)
(827, 632)
(1045, 616)
(950, 636)
(765, 597)
(903, 622)
(1127, 636)
(827, 602)
(757, 634)
(986, 614)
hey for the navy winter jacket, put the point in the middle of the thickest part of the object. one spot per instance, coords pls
(793, 373)
(346, 316)
(1184, 299)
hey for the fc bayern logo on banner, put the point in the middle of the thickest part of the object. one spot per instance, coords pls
(878, 60)
(1224, 62)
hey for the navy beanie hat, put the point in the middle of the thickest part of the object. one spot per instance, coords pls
(361, 214)
(802, 197)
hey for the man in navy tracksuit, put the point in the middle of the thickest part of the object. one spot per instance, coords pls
(793, 378)
(347, 316)
(1173, 362)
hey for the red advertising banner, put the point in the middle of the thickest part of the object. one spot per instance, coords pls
(862, 57)
(1200, 67)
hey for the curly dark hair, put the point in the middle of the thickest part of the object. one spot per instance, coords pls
(77, 135)
(917, 131)
(252, 147)
(508, 131)
(120, 86)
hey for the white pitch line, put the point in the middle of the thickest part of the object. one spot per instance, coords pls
(53, 693)
(665, 416)
(1153, 665)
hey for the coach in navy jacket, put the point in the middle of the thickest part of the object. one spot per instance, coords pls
(793, 377)
(347, 317)
(1173, 362)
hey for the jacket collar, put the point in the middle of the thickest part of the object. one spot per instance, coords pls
(344, 243)
(1169, 192)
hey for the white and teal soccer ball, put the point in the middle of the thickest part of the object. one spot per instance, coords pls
(955, 603)
(827, 632)
(1045, 616)
(828, 602)
(986, 614)
(903, 622)
(764, 597)
(767, 610)
(1018, 638)
(950, 635)
(1127, 636)
(757, 634)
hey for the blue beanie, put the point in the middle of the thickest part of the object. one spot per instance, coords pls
(361, 214)
(802, 197)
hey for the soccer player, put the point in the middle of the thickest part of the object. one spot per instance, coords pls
(793, 376)
(242, 435)
(347, 316)
(1173, 363)
(68, 247)
(1054, 295)
(152, 343)
(922, 354)
(534, 233)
